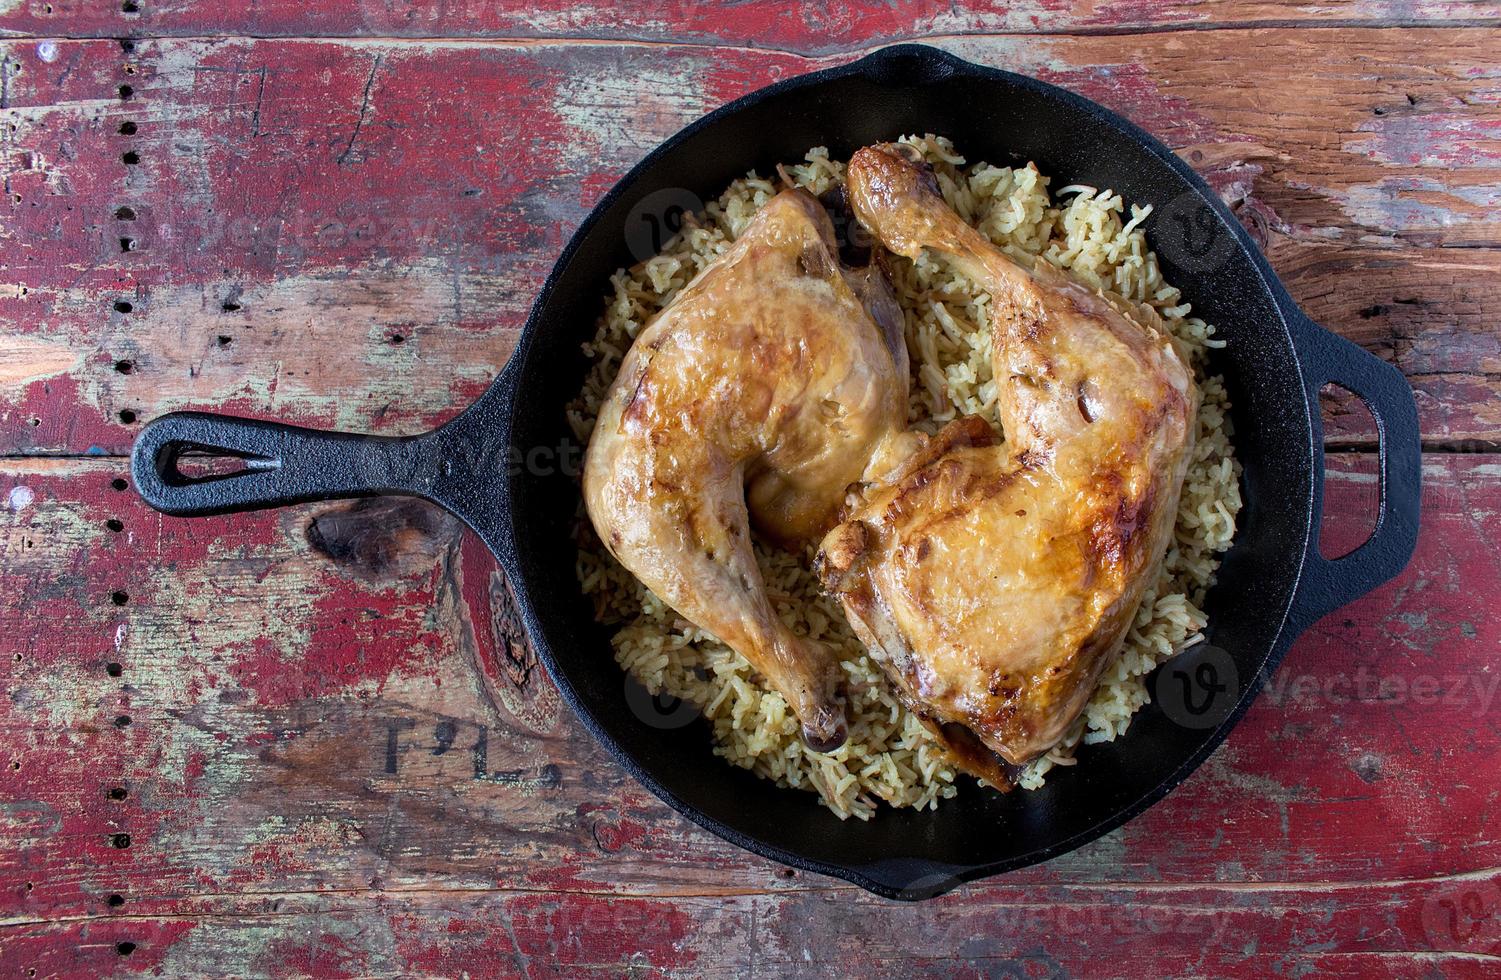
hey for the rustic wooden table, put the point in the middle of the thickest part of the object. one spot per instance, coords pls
(310, 741)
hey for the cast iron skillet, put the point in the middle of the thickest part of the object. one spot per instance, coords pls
(490, 466)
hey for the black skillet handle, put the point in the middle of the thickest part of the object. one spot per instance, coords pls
(463, 465)
(1327, 584)
(278, 464)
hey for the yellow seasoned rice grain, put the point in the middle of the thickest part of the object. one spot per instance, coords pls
(890, 756)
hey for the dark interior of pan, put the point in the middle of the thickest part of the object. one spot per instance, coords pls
(1004, 119)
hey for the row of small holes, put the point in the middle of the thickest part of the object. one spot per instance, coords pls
(115, 525)
(116, 669)
(126, 213)
(119, 598)
(127, 417)
(130, 157)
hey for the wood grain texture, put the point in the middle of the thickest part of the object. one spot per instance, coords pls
(422, 190)
(814, 28)
(303, 770)
(337, 755)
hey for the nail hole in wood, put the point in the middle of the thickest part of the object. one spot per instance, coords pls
(125, 214)
(398, 339)
(119, 483)
(122, 841)
(127, 128)
(127, 416)
(130, 7)
(119, 598)
(115, 524)
(34, 421)
(118, 793)
(123, 306)
(229, 306)
(125, 948)
(127, 244)
(114, 669)
(127, 45)
(126, 92)
(124, 366)
(115, 901)
(225, 341)
(122, 721)
(130, 158)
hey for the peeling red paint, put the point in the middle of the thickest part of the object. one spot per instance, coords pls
(332, 771)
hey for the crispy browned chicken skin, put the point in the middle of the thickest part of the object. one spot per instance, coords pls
(994, 582)
(760, 393)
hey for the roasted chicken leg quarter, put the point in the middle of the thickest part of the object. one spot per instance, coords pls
(994, 581)
(767, 386)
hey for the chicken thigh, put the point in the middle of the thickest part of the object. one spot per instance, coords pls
(772, 381)
(994, 581)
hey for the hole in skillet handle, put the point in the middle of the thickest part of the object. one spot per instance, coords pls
(181, 461)
(908, 65)
(191, 463)
(1352, 491)
(184, 464)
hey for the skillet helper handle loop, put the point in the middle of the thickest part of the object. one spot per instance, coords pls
(1327, 584)
(265, 464)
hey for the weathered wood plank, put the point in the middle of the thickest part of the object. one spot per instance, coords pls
(422, 189)
(1429, 310)
(813, 28)
(301, 751)
(337, 758)
(1006, 931)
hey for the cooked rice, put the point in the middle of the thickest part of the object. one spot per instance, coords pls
(889, 756)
